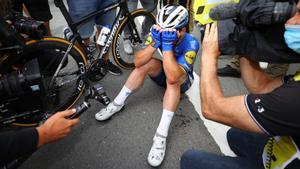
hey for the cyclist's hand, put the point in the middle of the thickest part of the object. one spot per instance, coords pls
(56, 127)
(155, 33)
(168, 39)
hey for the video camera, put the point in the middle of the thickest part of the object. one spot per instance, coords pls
(22, 90)
(26, 25)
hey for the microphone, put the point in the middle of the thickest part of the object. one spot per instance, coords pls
(224, 11)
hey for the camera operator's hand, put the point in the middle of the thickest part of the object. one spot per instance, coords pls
(210, 46)
(56, 127)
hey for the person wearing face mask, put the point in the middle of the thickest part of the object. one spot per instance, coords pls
(174, 71)
(265, 123)
(292, 36)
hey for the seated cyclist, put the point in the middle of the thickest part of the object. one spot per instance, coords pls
(174, 71)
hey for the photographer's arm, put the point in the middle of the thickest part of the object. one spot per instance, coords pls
(14, 144)
(56, 127)
(215, 106)
(255, 79)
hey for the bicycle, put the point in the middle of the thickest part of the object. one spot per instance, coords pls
(27, 68)
(66, 73)
(124, 20)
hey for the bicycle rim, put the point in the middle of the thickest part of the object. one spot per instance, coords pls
(142, 21)
(68, 86)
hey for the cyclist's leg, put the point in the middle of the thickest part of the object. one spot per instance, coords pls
(170, 102)
(136, 79)
(137, 76)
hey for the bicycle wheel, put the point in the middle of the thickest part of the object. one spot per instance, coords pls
(65, 89)
(125, 33)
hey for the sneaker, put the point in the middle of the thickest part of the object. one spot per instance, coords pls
(107, 112)
(113, 69)
(127, 47)
(228, 71)
(157, 151)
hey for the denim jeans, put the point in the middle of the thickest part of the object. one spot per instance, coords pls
(247, 146)
(80, 8)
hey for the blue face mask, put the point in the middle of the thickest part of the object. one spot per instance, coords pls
(292, 37)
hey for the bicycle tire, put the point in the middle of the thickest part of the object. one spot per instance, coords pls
(76, 60)
(124, 60)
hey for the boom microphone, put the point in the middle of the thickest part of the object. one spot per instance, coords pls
(224, 11)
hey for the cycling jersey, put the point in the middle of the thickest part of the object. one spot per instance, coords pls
(185, 53)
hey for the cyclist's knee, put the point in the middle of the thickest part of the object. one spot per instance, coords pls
(155, 67)
(175, 82)
(140, 70)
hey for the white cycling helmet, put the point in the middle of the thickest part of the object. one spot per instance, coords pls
(172, 16)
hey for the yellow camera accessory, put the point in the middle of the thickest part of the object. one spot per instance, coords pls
(203, 7)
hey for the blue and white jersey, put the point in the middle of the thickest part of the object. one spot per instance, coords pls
(186, 51)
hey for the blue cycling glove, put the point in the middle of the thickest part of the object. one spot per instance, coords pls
(156, 37)
(168, 38)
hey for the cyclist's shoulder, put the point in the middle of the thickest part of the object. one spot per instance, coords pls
(191, 42)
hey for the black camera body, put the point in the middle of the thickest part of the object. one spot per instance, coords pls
(22, 90)
(32, 28)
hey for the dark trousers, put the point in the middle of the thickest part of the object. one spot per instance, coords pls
(247, 146)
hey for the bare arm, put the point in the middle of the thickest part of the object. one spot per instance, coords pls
(143, 56)
(174, 72)
(255, 79)
(56, 127)
(215, 106)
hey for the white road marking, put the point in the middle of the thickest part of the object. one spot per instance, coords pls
(217, 130)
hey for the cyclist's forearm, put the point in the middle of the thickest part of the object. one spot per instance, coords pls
(174, 72)
(143, 56)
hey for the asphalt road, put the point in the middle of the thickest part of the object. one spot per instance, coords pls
(124, 141)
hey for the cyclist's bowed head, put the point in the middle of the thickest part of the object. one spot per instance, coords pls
(171, 23)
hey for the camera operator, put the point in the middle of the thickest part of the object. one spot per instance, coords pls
(265, 133)
(14, 144)
(17, 143)
(257, 30)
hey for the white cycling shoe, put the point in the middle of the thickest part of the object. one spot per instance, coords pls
(157, 152)
(107, 112)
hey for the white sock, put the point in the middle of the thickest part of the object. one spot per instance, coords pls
(164, 123)
(122, 96)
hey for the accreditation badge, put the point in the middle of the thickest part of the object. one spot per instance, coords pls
(279, 152)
